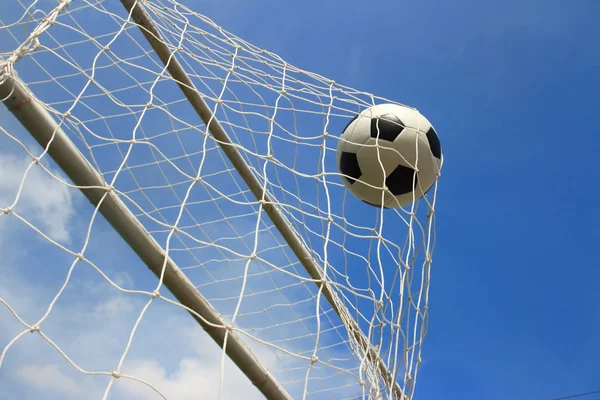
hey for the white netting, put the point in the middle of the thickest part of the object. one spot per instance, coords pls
(91, 303)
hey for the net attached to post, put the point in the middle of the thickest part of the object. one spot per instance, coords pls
(92, 306)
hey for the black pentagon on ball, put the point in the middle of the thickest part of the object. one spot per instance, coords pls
(434, 143)
(402, 180)
(349, 166)
(386, 127)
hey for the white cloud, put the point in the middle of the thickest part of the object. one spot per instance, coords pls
(113, 307)
(44, 201)
(49, 378)
(91, 323)
(195, 378)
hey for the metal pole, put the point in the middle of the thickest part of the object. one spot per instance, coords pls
(42, 126)
(148, 29)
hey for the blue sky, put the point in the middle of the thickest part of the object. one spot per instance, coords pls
(511, 89)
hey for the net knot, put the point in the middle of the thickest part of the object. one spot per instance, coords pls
(34, 328)
(48, 21)
(155, 294)
(7, 210)
(314, 359)
(115, 374)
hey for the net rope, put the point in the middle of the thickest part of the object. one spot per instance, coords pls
(88, 64)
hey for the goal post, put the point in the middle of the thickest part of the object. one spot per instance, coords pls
(44, 129)
(215, 162)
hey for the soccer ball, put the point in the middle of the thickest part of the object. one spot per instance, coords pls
(389, 155)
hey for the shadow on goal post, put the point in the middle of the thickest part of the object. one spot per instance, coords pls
(371, 277)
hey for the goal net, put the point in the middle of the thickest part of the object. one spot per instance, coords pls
(144, 255)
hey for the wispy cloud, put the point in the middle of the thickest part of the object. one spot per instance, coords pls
(43, 200)
(91, 321)
(169, 351)
(49, 378)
